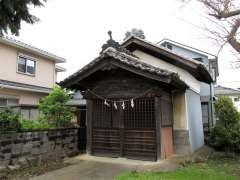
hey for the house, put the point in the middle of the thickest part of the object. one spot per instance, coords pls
(143, 101)
(207, 90)
(26, 75)
(233, 94)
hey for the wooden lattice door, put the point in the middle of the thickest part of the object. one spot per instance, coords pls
(128, 132)
(105, 130)
(139, 130)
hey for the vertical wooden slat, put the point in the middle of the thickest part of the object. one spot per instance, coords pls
(157, 105)
(121, 128)
(166, 126)
(89, 126)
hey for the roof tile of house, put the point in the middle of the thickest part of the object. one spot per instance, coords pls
(127, 60)
(220, 90)
(194, 67)
(18, 44)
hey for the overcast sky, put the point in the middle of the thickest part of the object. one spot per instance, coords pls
(76, 30)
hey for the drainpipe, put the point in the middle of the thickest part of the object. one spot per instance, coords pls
(211, 101)
(211, 95)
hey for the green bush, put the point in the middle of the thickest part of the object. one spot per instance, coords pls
(226, 134)
(55, 114)
(9, 120)
(38, 124)
(54, 108)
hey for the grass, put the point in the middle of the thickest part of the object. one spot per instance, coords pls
(219, 166)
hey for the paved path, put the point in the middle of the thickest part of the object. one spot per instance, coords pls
(97, 168)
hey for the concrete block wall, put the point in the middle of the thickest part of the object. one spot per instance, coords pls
(26, 147)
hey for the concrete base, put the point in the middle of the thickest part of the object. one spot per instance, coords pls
(120, 160)
(181, 142)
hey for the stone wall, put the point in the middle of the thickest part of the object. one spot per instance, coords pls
(27, 147)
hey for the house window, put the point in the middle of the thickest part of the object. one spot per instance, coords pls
(26, 65)
(169, 46)
(236, 99)
(205, 114)
(4, 102)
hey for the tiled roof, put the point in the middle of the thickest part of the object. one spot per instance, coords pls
(194, 67)
(21, 45)
(125, 59)
(165, 49)
(220, 90)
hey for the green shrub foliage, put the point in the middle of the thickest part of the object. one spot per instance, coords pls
(54, 109)
(226, 134)
(9, 120)
(37, 124)
(54, 114)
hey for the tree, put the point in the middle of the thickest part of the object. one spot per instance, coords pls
(135, 32)
(226, 134)
(226, 17)
(54, 108)
(13, 12)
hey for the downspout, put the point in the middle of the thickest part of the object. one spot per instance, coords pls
(211, 101)
(211, 95)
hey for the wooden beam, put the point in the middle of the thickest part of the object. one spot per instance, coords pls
(89, 126)
(158, 126)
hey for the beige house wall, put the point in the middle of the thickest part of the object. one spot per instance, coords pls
(25, 97)
(45, 69)
(185, 76)
(180, 121)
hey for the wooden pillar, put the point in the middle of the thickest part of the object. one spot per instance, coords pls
(89, 126)
(157, 107)
(121, 129)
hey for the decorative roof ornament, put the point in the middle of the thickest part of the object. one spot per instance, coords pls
(135, 32)
(114, 44)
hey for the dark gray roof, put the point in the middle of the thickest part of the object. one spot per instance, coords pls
(77, 100)
(220, 90)
(24, 87)
(127, 60)
(194, 67)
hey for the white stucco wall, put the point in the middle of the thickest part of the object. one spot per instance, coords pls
(185, 76)
(205, 89)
